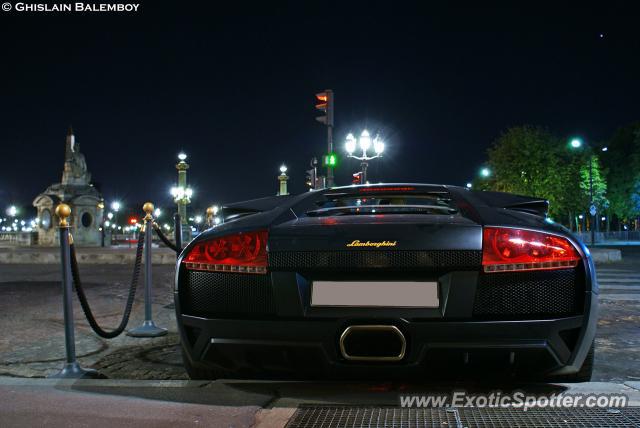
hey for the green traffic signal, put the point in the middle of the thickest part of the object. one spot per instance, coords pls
(331, 160)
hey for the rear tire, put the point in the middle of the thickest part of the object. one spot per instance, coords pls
(586, 370)
(198, 373)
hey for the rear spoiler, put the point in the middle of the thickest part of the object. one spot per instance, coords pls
(528, 204)
(253, 206)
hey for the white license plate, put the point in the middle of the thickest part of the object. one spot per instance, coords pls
(390, 294)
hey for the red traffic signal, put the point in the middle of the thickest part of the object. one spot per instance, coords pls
(133, 220)
(323, 99)
(357, 178)
(324, 103)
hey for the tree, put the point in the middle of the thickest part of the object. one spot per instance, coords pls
(599, 182)
(622, 163)
(530, 161)
(526, 160)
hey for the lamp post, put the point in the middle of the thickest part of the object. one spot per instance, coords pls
(577, 143)
(364, 143)
(115, 206)
(182, 193)
(283, 178)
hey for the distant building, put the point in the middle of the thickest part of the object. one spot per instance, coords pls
(76, 190)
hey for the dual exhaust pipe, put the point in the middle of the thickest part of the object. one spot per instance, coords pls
(373, 343)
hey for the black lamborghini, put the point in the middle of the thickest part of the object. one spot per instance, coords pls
(390, 281)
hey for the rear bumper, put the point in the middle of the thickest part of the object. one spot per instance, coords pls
(309, 348)
(288, 338)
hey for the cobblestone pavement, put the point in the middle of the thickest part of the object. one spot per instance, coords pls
(32, 339)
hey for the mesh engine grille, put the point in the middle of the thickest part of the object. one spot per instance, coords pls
(514, 294)
(361, 260)
(471, 417)
(212, 293)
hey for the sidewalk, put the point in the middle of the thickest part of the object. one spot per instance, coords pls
(109, 403)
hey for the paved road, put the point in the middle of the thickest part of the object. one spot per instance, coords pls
(32, 344)
(618, 341)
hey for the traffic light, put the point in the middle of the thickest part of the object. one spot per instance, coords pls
(330, 160)
(357, 178)
(311, 178)
(324, 103)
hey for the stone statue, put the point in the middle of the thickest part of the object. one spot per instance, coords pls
(76, 190)
(75, 167)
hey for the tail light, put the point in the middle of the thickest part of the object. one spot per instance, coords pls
(505, 250)
(244, 252)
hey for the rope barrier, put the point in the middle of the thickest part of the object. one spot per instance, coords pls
(132, 293)
(164, 239)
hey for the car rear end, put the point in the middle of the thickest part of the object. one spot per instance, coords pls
(398, 282)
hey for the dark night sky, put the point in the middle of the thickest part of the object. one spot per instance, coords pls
(235, 89)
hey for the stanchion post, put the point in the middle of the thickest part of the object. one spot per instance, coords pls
(71, 369)
(177, 231)
(148, 327)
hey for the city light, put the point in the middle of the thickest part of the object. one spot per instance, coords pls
(115, 206)
(485, 172)
(576, 143)
(350, 144)
(198, 219)
(182, 156)
(157, 212)
(12, 211)
(378, 146)
(109, 216)
(283, 168)
(469, 185)
(179, 193)
(364, 142)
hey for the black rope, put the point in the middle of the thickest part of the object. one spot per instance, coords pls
(164, 239)
(132, 293)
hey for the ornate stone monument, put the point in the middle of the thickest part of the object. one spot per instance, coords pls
(76, 190)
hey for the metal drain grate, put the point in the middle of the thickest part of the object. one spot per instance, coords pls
(388, 417)
(565, 417)
(467, 417)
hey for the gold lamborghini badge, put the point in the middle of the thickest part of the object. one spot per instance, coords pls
(358, 243)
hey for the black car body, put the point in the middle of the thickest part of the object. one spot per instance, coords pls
(244, 291)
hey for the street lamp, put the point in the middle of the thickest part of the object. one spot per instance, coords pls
(282, 179)
(365, 143)
(485, 172)
(577, 143)
(115, 206)
(12, 211)
(182, 193)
